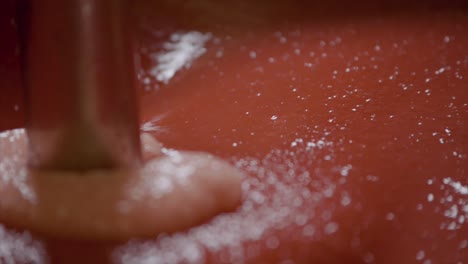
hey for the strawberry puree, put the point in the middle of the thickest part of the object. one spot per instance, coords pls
(351, 127)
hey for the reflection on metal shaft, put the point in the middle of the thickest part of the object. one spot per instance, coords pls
(79, 75)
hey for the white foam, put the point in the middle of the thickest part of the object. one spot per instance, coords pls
(280, 193)
(179, 52)
(457, 186)
(9, 164)
(20, 248)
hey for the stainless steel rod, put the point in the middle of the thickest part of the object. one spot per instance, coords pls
(79, 77)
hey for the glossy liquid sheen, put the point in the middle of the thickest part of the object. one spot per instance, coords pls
(352, 129)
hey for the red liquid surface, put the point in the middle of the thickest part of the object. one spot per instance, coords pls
(352, 127)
